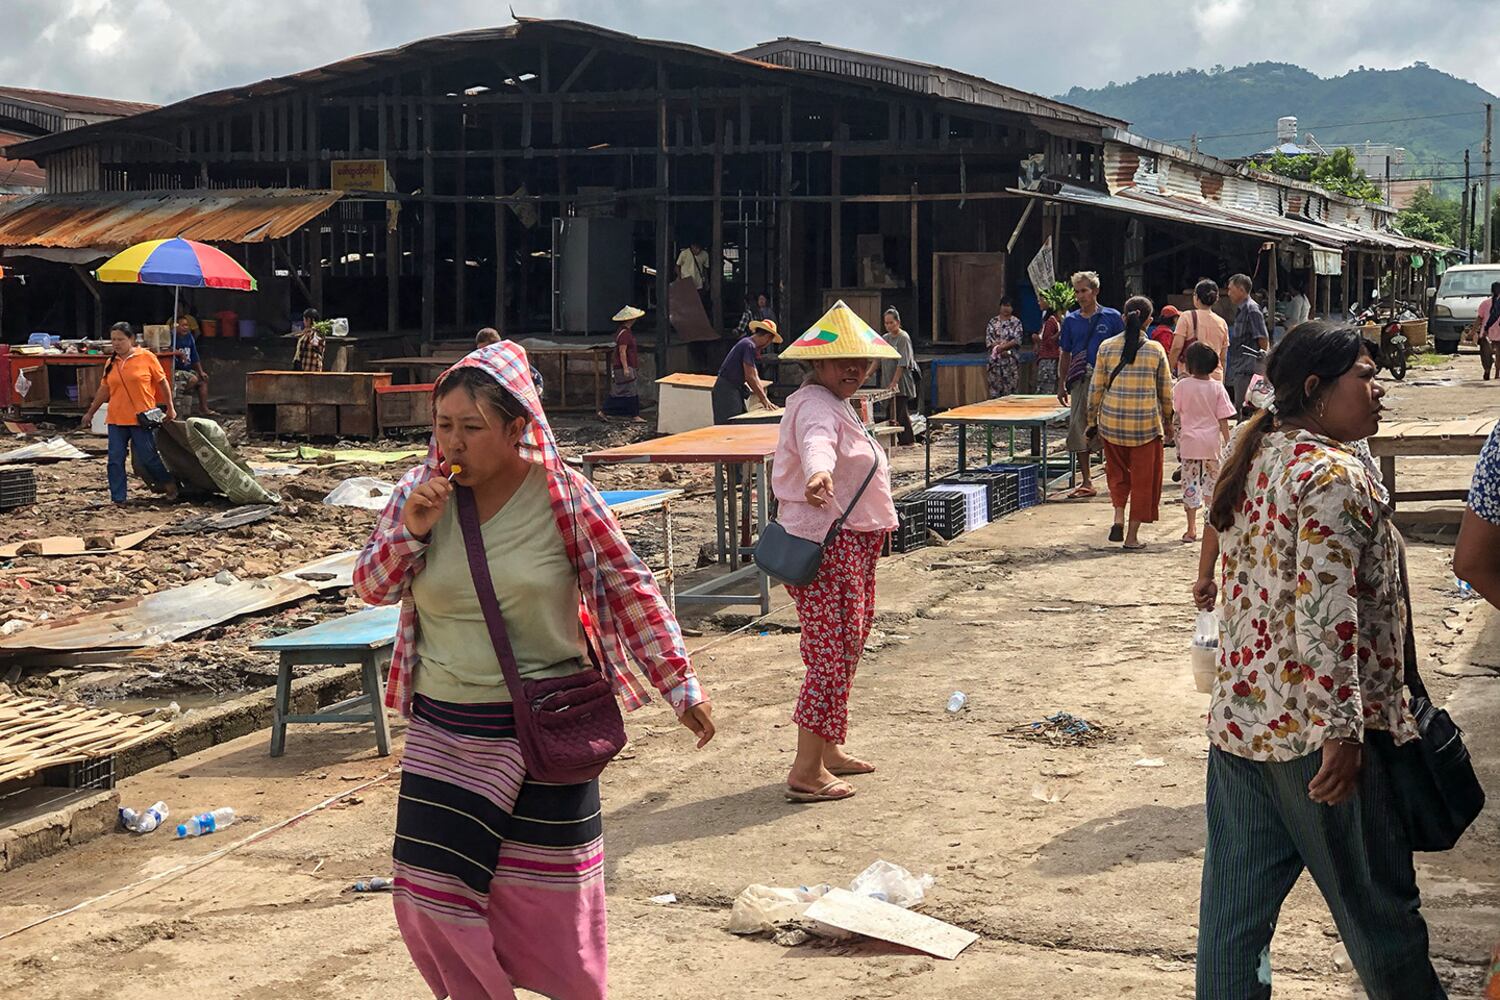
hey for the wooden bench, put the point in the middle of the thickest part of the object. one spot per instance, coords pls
(366, 638)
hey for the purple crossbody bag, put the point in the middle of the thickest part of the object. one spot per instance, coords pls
(569, 727)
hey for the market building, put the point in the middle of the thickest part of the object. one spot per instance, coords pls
(537, 176)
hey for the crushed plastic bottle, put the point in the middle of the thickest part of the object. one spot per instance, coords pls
(956, 702)
(1465, 591)
(377, 884)
(208, 822)
(143, 822)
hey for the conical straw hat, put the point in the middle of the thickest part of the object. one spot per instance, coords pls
(627, 314)
(839, 334)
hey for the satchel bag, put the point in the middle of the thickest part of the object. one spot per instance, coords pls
(1436, 791)
(794, 560)
(569, 727)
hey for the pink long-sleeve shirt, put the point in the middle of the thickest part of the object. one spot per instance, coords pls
(822, 433)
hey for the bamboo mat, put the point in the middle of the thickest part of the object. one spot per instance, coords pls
(38, 733)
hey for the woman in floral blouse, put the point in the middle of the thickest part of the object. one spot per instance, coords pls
(1002, 338)
(1310, 673)
(1476, 557)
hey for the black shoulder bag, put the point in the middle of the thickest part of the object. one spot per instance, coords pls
(1437, 793)
(794, 560)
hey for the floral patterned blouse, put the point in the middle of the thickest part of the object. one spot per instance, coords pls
(1484, 495)
(1312, 620)
(1004, 370)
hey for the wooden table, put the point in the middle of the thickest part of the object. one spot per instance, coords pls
(1034, 413)
(367, 638)
(53, 375)
(726, 447)
(414, 370)
(1408, 439)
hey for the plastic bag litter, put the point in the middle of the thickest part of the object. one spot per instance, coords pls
(23, 385)
(760, 909)
(1205, 651)
(892, 884)
(364, 492)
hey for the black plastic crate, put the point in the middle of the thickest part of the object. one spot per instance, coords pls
(946, 512)
(999, 489)
(911, 525)
(1029, 492)
(17, 487)
(98, 773)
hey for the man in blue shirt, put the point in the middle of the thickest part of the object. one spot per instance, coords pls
(1083, 330)
(188, 375)
(1248, 341)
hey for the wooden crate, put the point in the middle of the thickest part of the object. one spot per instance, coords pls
(324, 420)
(402, 406)
(958, 382)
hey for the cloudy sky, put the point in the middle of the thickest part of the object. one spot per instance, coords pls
(163, 50)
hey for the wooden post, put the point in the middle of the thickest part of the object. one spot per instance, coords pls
(836, 208)
(1344, 263)
(392, 236)
(916, 293)
(1359, 275)
(663, 238)
(502, 255)
(784, 215)
(460, 223)
(716, 238)
(429, 222)
(1271, 281)
(1312, 286)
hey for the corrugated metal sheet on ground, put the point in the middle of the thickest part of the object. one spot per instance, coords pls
(156, 619)
(123, 218)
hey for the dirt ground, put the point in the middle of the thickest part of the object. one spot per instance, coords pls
(1094, 895)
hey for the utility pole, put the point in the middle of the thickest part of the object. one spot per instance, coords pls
(1463, 222)
(1489, 234)
(1387, 180)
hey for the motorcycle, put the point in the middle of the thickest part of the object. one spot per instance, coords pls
(1394, 347)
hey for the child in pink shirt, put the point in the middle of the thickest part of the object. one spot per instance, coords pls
(1204, 408)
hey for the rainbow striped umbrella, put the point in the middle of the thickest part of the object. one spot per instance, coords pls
(184, 263)
(177, 262)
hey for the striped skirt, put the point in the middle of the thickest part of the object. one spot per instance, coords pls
(499, 880)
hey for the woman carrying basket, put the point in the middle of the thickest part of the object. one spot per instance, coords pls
(827, 465)
(499, 876)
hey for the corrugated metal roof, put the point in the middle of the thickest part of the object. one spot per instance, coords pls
(924, 78)
(15, 174)
(75, 103)
(121, 218)
(578, 32)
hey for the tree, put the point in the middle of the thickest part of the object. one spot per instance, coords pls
(1428, 217)
(1336, 172)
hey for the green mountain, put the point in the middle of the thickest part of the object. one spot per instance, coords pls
(1442, 115)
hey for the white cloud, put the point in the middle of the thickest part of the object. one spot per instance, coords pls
(165, 50)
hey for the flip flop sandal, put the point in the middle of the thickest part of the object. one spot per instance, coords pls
(824, 794)
(1117, 533)
(1081, 493)
(1138, 547)
(855, 767)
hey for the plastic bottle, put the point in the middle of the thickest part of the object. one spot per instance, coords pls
(1205, 649)
(1464, 590)
(956, 702)
(206, 822)
(377, 884)
(143, 822)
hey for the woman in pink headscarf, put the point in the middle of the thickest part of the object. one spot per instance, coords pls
(498, 878)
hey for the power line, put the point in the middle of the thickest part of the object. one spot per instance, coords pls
(1304, 128)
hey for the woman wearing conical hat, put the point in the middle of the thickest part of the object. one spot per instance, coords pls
(624, 368)
(823, 455)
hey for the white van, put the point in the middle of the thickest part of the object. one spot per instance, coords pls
(1459, 293)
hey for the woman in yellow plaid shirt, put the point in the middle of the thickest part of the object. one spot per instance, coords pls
(1130, 410)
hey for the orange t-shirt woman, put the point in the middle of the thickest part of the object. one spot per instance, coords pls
(133, 383)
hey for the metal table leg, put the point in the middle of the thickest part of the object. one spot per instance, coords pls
(927, 468)
(720, 554)
(374, 679)
(666, 530)
(963, 447)
(732, 527)
(281, 707)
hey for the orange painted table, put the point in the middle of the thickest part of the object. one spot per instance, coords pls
(1036, 414)
(738, 447)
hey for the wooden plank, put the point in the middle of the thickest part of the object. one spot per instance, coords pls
(292, 418)
(356, 421)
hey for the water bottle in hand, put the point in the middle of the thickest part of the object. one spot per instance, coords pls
(143, 822)
(206, 823)
(956, 702)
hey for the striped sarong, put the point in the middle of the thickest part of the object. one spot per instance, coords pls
(498, 879)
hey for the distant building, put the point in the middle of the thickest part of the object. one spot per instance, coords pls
(32, 114)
